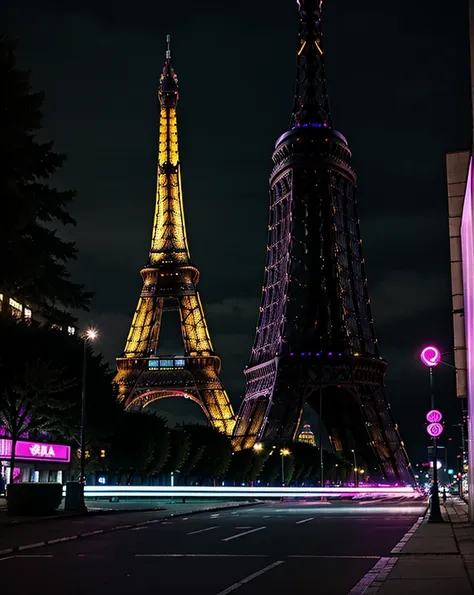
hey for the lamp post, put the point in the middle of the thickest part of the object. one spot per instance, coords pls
(284, 452)
(354, 467)
(431, 357)
(89, 336)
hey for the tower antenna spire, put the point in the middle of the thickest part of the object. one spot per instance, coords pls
(311, 104)
(168, 47)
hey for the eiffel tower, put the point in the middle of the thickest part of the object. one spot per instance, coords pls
(170, 283)
(315, 342)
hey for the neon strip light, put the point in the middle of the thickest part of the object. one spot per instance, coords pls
(239, 492)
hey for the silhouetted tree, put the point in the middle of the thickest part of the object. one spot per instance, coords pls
(213, 451)
(32, 382)
(135, 444)
(246, 465)
(34, 259)
(179, 449)
(306, 461)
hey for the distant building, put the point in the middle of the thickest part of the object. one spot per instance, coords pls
(27, 313)
(307, 435)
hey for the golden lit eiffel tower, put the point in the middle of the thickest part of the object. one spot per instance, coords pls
(169, 283)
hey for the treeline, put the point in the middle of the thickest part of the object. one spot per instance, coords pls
(40, 399)
(144, 451)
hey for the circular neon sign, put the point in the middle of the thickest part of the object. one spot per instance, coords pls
(435, 430)
(430, 356)
(434, 416)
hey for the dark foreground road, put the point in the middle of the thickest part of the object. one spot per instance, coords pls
(284, 548)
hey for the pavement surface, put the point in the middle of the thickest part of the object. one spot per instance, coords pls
(435, 559)
(334, 548)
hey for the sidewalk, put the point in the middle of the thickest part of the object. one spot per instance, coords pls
(42, 532)
(434, 558)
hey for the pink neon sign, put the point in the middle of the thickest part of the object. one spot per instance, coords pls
(35, 451)
(430, 356)
(434, 416)
(435, 430)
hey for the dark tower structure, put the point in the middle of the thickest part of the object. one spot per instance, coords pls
(170, 281)
(315, 341)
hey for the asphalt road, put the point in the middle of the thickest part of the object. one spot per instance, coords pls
(283, 548)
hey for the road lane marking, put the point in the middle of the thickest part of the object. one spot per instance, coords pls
(343, 557)
(381, 569)
(185, 518)
(244, 527)
(34, 556)
(202, 530)
(213, 516)
(139, 528)
(242, 534)
(6, 558)
(369, 502)
(267, 516)
(311, 518)
(249, 578)
(198, 556)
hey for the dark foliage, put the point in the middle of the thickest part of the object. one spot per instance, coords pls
(179, 449)
(34, 260)
(138, 445)
(210, 452)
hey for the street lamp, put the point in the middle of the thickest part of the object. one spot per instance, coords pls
(258, 447)
(284, 452)
(431, 357)
(90, 335)
(355, 467)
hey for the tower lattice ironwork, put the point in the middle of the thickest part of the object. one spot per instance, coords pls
(170, 283)
(315, 342)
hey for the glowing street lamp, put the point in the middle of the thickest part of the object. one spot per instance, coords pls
(88, 336)
(284, 452)
(431, 357)
(258, 447)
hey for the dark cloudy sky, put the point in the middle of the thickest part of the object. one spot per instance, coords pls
(399, 85)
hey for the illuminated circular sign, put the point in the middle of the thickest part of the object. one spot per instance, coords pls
(435, 430)
(430, 356)
(434, 416)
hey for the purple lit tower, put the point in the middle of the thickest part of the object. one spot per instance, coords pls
(315, 342)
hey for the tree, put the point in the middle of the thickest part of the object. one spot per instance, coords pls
(161, 447)
(306, 461)
(103, 410)
(34, 263)
(212, 449)
(246, 465)
(179, 448)
(31, 383)
(135, 444)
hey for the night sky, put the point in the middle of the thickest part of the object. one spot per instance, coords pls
(398, 77)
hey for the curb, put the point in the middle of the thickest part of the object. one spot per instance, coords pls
(19, 548)
(68, 515)
(408, 535)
